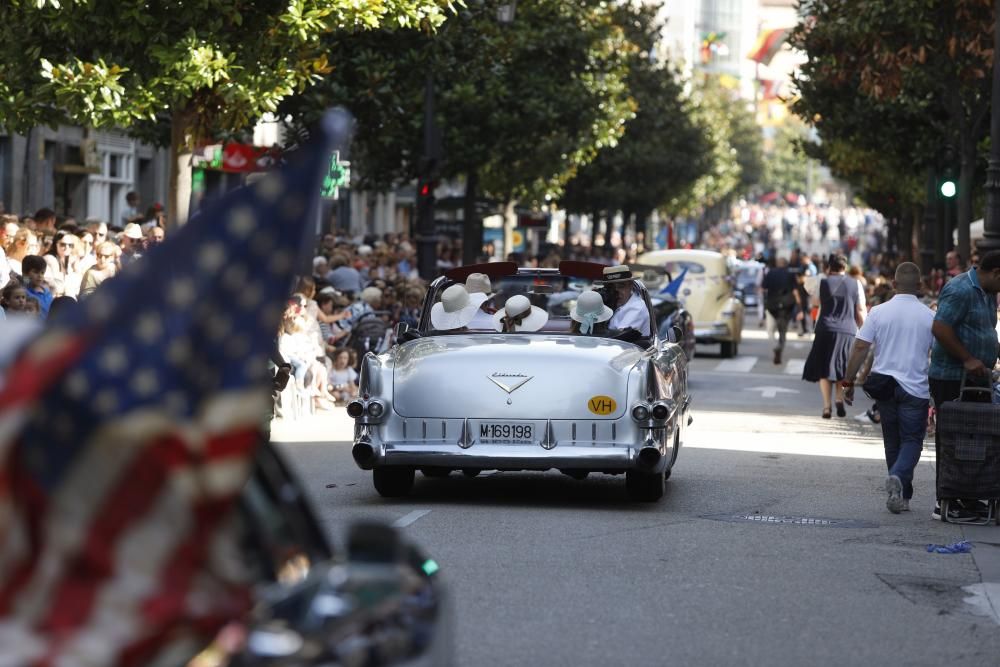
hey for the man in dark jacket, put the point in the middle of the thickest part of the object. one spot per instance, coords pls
(781, 296)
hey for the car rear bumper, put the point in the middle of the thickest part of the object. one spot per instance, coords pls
(594, 456)
(713, 333)
(509, 457)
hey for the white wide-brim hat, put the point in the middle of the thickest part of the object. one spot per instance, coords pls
(479, 282)
(533, 318)
(590, 307)
(456, 308)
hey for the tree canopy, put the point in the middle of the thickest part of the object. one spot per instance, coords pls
(898, 87)
(212, 65)
(521, 105)
(663, 150)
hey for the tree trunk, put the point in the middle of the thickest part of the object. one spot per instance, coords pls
(472, 224)
(642, 225)
(180, 169)
(965, 176)
(509, 220)
(595, 221)
(904, 242)
(628, 215)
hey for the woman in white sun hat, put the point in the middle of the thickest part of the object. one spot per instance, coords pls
(588, 312)
(519, 315)
(456, 308)
(479, 283)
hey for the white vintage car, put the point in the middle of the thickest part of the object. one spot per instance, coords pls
(438, 401)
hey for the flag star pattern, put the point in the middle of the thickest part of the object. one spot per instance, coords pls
(127, 431)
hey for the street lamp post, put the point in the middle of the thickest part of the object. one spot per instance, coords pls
(429, 171)
(429, 164)
(927, 236)
(991, 222)
(472, 223)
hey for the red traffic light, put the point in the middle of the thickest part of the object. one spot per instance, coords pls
(425, 190)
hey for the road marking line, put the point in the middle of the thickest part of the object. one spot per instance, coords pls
(404, 521)
(771, 392)
(795, 367)
(737, 365)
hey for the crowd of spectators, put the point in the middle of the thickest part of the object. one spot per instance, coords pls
(348, 306)
(47, 260)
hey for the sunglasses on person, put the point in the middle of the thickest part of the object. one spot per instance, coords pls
(107, 256)
(66, 245)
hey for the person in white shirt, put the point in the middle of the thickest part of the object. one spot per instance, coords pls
(900, 331)
(631, 310)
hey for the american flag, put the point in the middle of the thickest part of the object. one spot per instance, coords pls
(127, 431)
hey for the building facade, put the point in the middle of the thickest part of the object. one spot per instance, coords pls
(79, 173)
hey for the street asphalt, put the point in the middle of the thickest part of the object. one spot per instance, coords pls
(772, 545)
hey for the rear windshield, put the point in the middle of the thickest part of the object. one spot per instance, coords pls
(675, 268)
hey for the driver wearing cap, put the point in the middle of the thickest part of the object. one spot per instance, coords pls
(630, 310)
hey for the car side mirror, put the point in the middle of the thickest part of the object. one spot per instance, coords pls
(405, 333)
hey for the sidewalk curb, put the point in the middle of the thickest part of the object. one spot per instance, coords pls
(986, 556)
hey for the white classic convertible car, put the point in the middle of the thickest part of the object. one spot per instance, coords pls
(473, 398)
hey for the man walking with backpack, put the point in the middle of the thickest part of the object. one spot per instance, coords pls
(781, 296)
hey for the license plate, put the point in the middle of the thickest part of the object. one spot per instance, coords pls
(507, 433)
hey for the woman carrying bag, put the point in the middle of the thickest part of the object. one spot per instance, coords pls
(840, 315)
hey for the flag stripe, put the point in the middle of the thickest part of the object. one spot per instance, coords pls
(767, 45)
(134, 495)
(32, 503)
(164, 372)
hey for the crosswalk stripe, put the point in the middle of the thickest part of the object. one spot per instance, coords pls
(795, 366)
(738, 365)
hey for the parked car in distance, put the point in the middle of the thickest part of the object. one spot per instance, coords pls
(667, 307)
(749, 275)
(708, 292)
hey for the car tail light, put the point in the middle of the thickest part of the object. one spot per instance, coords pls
(375, 409)
(660, 411)
(640, 413)
(355, 409)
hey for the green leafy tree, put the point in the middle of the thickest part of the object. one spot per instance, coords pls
(725, 121)
(520, 106)
(921, 69)
(663, 150)
(786, 164)
(212, 65)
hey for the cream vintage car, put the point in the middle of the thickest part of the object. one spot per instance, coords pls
(707, 292)
(440, 401)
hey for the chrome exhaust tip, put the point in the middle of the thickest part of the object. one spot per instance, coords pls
(364, 455)
(648, 457)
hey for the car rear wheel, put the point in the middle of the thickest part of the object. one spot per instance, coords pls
(729, 349)
(393, 482)
(644, 487)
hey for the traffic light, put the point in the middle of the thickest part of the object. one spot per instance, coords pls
(948, 189)
(425, 202)
(426, 232)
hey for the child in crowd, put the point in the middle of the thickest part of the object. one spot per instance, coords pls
(14, 299)
(33, 268)
(343, 378)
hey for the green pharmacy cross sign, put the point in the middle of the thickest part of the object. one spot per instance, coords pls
(337, 177)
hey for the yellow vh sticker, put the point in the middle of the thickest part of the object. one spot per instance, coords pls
(601, 405)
